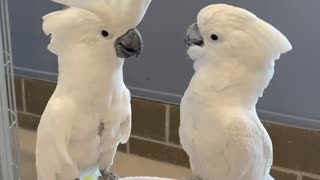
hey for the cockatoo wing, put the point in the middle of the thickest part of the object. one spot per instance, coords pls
(125, 126)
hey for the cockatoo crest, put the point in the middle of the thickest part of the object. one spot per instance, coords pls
(124, 13)
(241, 31)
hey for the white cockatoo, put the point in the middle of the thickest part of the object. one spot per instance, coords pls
(234, 53)
(89, 113)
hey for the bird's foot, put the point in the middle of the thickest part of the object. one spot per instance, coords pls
(108, 175)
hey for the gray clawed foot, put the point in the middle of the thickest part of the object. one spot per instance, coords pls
(108, 175)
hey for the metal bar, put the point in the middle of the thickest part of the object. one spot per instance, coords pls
(14, 108)
(5, 150)
(3, 154)
(9, 142)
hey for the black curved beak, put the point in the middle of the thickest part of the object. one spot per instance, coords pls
(130, 44)
(193, 36)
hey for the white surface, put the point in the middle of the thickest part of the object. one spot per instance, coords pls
(125, 164)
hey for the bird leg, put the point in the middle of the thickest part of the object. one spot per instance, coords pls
(108, 175)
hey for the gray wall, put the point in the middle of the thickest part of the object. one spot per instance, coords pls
(162, 72)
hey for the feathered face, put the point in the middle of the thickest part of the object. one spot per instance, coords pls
(107, 26)
(227, 32)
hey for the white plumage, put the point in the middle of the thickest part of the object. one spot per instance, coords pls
(89, 113)
(234, 53)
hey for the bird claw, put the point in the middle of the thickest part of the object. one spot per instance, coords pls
(108, 175)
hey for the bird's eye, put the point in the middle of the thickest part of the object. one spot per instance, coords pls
(105, 33)
(214, 37)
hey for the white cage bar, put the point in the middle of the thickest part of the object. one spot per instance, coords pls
(9, 144)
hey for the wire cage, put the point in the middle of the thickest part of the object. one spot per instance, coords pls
(9, 142)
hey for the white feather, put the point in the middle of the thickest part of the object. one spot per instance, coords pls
(220, 129)
(90, 91)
